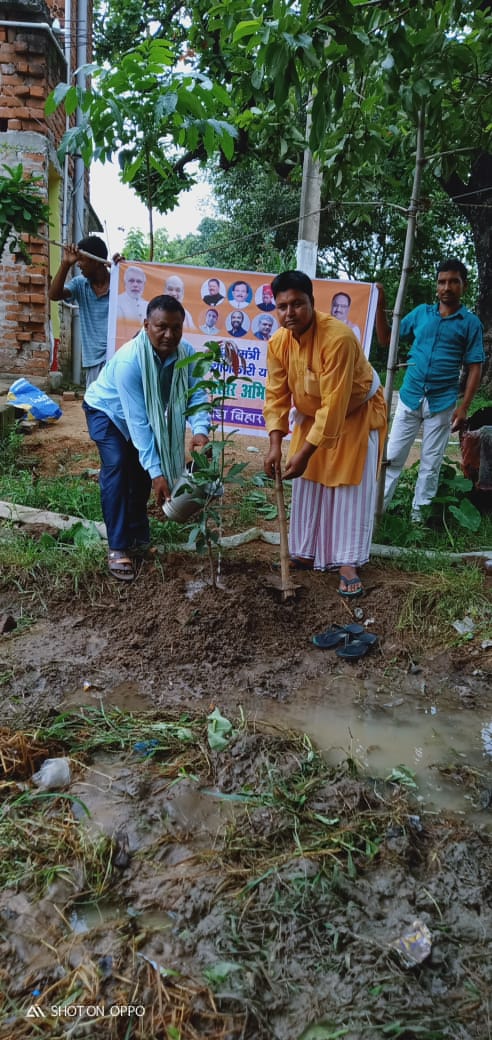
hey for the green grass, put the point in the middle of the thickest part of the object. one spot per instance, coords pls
(81, 554)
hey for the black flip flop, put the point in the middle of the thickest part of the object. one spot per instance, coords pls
(353, 650)
(327, 640)
(369, 638)
(337, 634)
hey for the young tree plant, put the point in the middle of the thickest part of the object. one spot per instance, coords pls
(216, 367)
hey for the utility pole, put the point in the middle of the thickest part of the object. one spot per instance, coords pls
(309, 211)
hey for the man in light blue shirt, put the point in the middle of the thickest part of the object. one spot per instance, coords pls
(135, 413)
(445, 336)
(90, 290)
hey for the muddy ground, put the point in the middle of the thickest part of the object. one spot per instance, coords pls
(273, 933)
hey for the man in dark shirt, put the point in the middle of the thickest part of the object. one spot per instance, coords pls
(214, 295)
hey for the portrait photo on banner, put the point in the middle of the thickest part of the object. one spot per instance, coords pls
(232, 305)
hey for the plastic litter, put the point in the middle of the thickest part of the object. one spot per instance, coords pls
(53, 774)
(145, 747)
(464, 627)
(36, 405)
(414, 945)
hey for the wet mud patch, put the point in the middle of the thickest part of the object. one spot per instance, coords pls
(226, 879)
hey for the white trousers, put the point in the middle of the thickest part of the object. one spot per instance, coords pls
(435, 437)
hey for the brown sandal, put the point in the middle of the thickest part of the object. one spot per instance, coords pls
(120, 565)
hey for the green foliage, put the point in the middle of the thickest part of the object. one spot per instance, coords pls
(367, 75)
(22, 210)
(450, 521)
(216, 369)
(147, 109)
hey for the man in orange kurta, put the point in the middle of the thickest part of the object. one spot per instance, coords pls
(316, 364)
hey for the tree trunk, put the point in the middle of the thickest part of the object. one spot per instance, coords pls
(474, 199)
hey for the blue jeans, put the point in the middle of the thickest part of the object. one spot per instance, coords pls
(124, 485)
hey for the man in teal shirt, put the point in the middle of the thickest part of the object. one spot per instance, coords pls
(445, 336)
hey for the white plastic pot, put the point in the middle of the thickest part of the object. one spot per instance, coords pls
(188, 497)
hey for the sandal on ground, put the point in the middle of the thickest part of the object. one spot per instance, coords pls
(353, 650)
(120, 565)
(337, 634)
(349, 588)
(142, 552)
(369, 638)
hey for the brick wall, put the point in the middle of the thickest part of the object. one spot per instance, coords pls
(30, 67)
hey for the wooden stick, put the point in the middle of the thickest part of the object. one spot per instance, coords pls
(83, 252)
(286, 586)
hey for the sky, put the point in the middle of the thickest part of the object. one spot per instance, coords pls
(119, 209)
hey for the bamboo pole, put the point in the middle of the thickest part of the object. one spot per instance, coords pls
(83, 252)
(402, 288)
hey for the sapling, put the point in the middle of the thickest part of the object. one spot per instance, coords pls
(216, 368)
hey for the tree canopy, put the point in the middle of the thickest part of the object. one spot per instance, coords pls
(365, 68)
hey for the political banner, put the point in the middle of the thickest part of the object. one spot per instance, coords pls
(229, 305)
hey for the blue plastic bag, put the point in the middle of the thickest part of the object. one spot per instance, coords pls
(33, 401)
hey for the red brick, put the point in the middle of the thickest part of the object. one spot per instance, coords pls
(14, 124)
(24, 337)
(21, 47)
(24, 298)
(37, 299)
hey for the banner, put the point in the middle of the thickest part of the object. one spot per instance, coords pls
(235, 305)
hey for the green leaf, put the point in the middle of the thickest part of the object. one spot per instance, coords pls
(85, 534)
(219, 731)
(246, 28)
(467, 515)
(218, 973)
(402, 775)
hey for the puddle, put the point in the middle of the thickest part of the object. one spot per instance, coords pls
(85, 916)
(127, 696)
(126, 795)
(381, 737)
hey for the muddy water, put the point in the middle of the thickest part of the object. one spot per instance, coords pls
(381, 737)
(85, 916)
(380, 732)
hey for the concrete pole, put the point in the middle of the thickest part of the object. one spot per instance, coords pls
(309, 212)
